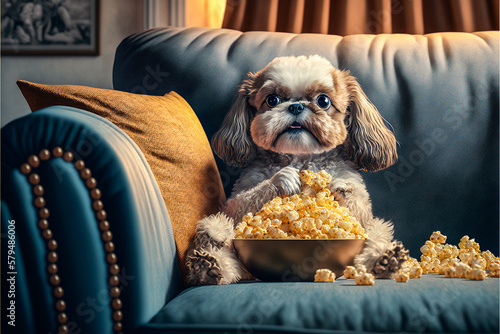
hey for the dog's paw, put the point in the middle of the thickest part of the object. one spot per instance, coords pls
(203, 268)
(341, 189)
(287, 181)
(389, 263)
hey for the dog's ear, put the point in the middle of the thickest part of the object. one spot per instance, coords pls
(233, 142)
(369, 144)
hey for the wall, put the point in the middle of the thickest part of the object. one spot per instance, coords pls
(118, 19)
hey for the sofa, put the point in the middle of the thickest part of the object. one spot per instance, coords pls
(111, 260)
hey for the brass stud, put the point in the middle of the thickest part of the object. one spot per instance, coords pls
(79, 165)
(111, 258)
(55, 280)
(68, 156)
(44, 154)
(109, 247)
(117, 326)
(25, 169)
(101, 215)
(116, 304)
(58, 292)
(62, 318)
(97, 205)
(85, 173)
(47, 234)
(63, 329)
(34, 161)
(107, 236)
(57, 152)
(52, 244)
(44, 213)
(91, 183)
(104, 225)
(39, 202)
(52, 268)
(114, 269)
(34, 179)
(114, 280)
(114, 292)
(43, 224)
(95, 193)
(38, 190)
(117, 315)
(52, 257)
(60, 305)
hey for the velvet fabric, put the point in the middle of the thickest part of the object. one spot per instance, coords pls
(432, 304)
(139, 222)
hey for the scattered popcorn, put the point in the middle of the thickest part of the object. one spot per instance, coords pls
(364, 278)
(464, 261)
(437, 237)
(466, 243)
(401, 276)
(450, 272)
(416, 272)
(312, 214)
(461, 270)
(495, 269)
(349, 272)
(324, 275)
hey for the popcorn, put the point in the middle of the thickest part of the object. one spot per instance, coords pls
(437, 237)
(466, 243)
(364, 278)
(416, 272)
(450, 272)
(349, 272)
(495, 269)
(464, 261)
(324, 275)
(461, 270)
(312, 214)
(401, 276)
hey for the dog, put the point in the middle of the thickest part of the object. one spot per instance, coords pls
(297, 113)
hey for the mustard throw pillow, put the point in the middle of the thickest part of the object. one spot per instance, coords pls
(171, 138)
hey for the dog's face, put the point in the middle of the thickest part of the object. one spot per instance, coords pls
(299, 106)
(303, 105)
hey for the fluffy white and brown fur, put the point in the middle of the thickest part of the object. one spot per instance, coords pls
(297, 113)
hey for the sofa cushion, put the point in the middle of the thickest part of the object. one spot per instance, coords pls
(169, 134)
(430, 304)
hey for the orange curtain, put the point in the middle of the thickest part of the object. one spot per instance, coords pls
(347, 17)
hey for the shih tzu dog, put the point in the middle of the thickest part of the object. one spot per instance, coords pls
(297, 113)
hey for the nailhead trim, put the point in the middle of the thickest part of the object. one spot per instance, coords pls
(52, 257)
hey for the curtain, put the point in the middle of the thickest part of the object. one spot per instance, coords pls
(347, 17)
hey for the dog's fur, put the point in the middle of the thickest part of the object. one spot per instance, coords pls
(273, 143)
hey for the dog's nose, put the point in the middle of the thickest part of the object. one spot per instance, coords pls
(296, 108)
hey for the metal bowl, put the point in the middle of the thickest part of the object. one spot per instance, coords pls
(296, 260)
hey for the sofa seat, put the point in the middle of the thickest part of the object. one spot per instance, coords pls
(432, 304)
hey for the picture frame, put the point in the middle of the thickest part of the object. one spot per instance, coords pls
(50, 27)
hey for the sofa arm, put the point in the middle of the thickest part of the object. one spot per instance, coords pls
(96, 227)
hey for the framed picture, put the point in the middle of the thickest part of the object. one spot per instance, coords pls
(50, 27)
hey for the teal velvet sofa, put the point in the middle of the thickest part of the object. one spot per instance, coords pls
(439, 92)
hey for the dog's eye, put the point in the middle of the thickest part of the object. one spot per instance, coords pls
(272, 101)
(323, 101)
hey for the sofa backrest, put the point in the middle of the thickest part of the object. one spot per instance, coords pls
(439, 92)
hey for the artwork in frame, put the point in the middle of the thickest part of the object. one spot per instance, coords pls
(50, 27)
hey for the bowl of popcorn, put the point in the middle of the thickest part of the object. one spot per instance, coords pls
(292, 237)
